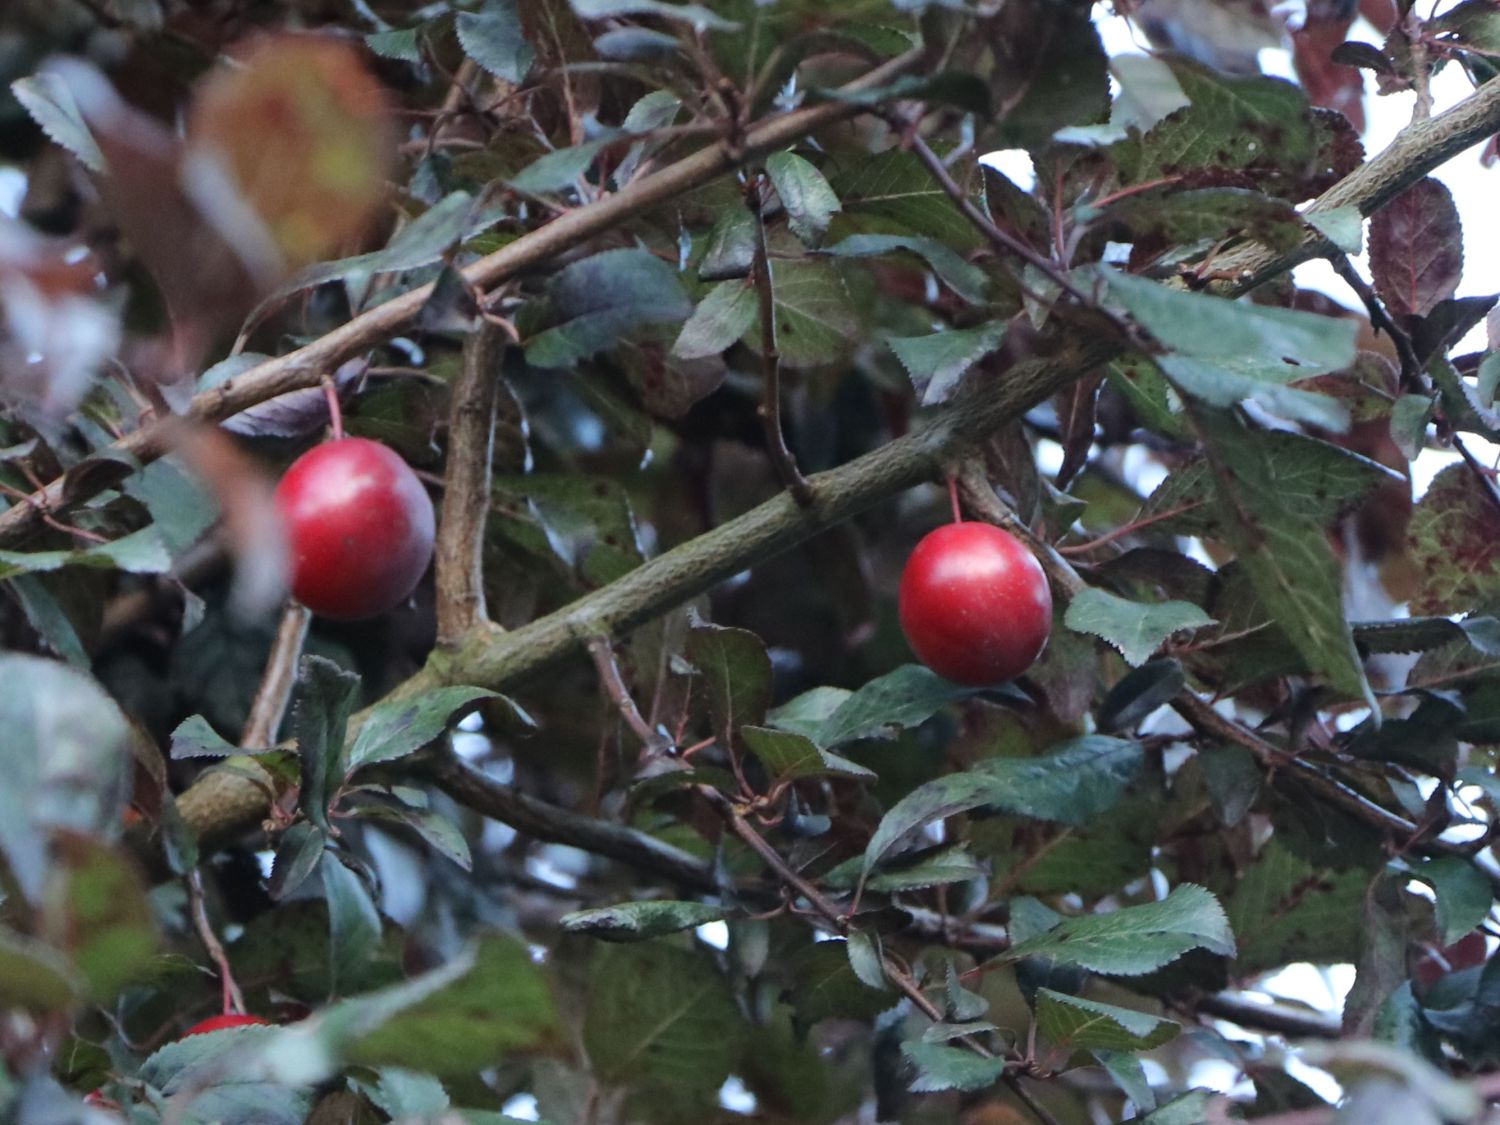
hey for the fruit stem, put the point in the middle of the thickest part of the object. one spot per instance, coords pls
(958, 513)
(335, 411)
(232, 1000)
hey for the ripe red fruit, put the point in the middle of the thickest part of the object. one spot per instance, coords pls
(974, 604)
(360, 528)
(228, 1019)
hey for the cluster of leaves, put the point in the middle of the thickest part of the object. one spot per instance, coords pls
(829, 883)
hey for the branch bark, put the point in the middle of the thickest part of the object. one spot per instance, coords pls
(280, 676)
(306, 366)
(459, 558)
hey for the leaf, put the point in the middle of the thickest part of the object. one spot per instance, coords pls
(1075, 783)
(65, 760)
(1284, 909)
(1135, 939)
(809, 202)
(354, 931)
(1234, 780)
(937, 362)
(493, 38)
(865, 959)
(1286, 555)
(326, 695)
(701, 18)
(662, 1021)
(817, 321)
(1159, 225)
(1130, 1076)
(1139, 693)
(1464, 896)
(599, 300)
(298, 855)
(46, 615)
(1416, 249)
(140, 552)
(395, 728)
(194, 738)
(401, 44)
(435, 829)
(1137, 630)
(1454, 538)
(639, 921)
(724, 315)
(736, 675)
(209, 1079)
(806, 713)
(730, 252)
(825, 986)
(402, 1094)
(34, 977)
(965, 279)
(560, 170)
(934, 868)
(1342, 226)
(1148, 91)
(1072, 1023)
(940, 1067)
(892, 193)
(96, 911)
(1050, 70)
(788, 756)
(46, 97)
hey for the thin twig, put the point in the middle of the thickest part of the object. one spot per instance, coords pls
(770, 408)
(233, 999)
(742, 828)
(1039, 1111)
(459, 555)
(613, 683)
(278, 679)
(1411, 367)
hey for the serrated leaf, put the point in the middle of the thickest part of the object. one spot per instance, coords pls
(598, 301)
(435, 829)
(640, 921)
(940, 1067)
(1343, 226)
(788, 756)
(1148, 91)
(1135, 939)
(395, 728)
(1283, 909)
(560, 170)
(892, 193)
(354, 931)
(194, 738)
(140, 552)
(936, 868)
(906, 697)
(1454, 538)
(47, 98)
(326, 695)
(809, 202)
(1285, 554)
(1136, 629)
(401, 44)
(968, 281)
(724, 315)
(1072, 1023)
(1130, 1076)
(937, 362)
(493, 37)
(298, 855)
(865, 959)
(1073, 784)
(1416, 249)
(736, 675)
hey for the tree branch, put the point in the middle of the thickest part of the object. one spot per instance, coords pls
(305, 366)
(278, 679)
(459, 557)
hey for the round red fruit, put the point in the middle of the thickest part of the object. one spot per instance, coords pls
(974, 604)
(359, 526)
(228, 1019)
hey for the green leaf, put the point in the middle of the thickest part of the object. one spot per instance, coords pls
(1190, 1108)
(398, 727)
(817, 321)
(1227, 382)
(825, 986)
(1130, 1076)
(140, 552)
(45, 615)
(661, 1021)
(402, 1094)
(49, 101)
(1073, 784)
(95, 910)
(354, 931)
(34, 977)
(1464, 896)
(1139, 693)
(968, 281)
(1072, 1023)
(194, 738)
(1285, 554)
(401, 44)
(560, 170)
(888, 704)
(806, 713)
(1285, 909)
(209, 1079)
(892, 193)
(598, 301)
(1148, 91)
(298, 855)
(940, 1067)
(66, 761)
(1135, 939)
(638, 921)
(937, 362)
(493, 38)
(435, 829)
(700, 17)
(935, 868)
(724, 315)
(730, 252)
(1050, 71)
(788, 756)
(326, 695)
(736, 675)
(1137, 630)
(809, 202)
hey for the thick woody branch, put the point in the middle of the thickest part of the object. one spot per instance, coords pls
(459, 560)
(305, 366)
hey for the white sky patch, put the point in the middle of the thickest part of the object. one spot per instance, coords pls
(12, 191)
(715, 934)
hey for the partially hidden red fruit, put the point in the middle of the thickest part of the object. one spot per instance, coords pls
(359, 526)
(228, 1019)
(974, 604)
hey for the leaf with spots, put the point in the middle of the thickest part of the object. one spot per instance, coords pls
(736, 675)
(1417, 249)
(1454, 540)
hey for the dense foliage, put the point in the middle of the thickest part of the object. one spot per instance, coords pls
(694, 319)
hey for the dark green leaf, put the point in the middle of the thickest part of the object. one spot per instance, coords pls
(398, 727)
(598, 301)
(1137, 630)
(1072, 1023)
(1130, 1076)
(1139, 693)
(968, 281)
(788, 756)
(34, 977)
(826, 987)
(907, 697)
(326, 695)
(937, 362)
(297, 857)
(638, 921)
(1463, 894)
(724, 315)
(354, 931)
(1050, 71)
(809, 202)
(940, 1067)
(194, 738)
(736, 676)
(493, 38)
